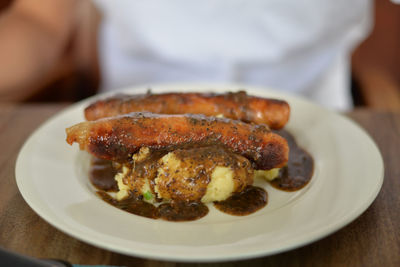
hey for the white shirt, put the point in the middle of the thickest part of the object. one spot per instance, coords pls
(299, 46)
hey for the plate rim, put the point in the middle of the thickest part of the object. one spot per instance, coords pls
(317, 235)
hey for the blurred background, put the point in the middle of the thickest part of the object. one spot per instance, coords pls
(375, 64)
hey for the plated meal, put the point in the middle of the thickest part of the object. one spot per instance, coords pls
(171, 155)
(347, 174)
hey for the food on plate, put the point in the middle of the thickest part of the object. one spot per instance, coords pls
(299, 169)
(204, 174)
(117, 138)
(239, 106)
(171, 166)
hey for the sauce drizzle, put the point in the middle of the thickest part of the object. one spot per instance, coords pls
(248, 201)
(101, 175)
(299, 169)
(174, 211)
(292, 177)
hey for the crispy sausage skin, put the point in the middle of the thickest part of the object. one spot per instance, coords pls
(116, 138)
(238, 106)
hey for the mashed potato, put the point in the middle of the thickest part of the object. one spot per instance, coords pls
(204, 174)
(221, 185)
(123, 188)
(267, 175)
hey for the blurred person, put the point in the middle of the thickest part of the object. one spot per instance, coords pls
(299, 46)
(33, 36)
(302, 46)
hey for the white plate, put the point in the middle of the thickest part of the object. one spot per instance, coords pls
(52, 178)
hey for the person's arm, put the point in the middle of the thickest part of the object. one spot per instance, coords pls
(32, 38)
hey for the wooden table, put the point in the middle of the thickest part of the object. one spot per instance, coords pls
(371, 240)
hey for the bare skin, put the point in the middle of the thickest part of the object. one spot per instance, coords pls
(32, 38)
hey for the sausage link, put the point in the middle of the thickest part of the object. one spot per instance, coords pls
(117, 138)
(238, 106)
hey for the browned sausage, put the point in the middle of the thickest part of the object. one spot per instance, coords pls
(238, 106)
(116, 138)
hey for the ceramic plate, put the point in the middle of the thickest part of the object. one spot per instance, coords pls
(52, 178)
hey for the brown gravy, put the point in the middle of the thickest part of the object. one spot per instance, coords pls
(132, 204)
(299, 169)
(248, 201)
(293, 177)
(180, 211)
(102, 174)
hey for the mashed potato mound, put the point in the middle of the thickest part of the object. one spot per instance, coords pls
(267, 175)
(202, 174)
(221, 185)
(205, 174)
(123, 188)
